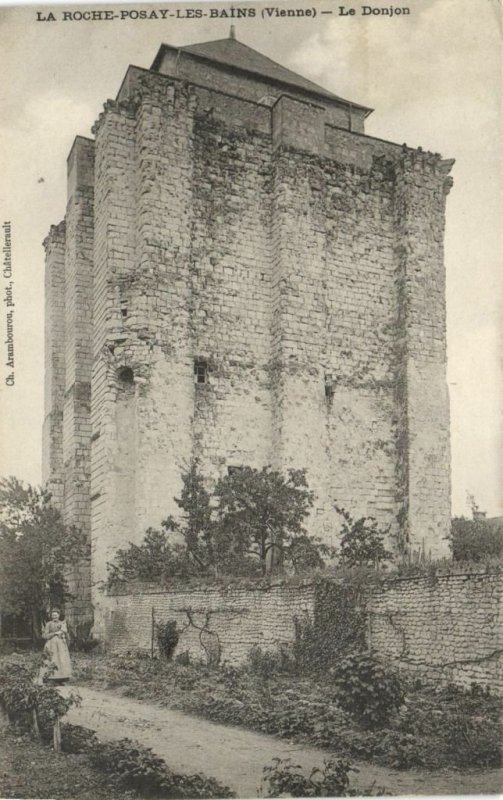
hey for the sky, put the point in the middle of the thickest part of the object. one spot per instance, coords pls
(434, 80)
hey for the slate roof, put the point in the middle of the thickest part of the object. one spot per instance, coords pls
(235, 54)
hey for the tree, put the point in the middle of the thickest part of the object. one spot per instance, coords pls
(260, 520)
(36, 551)
(475, 539)
(362, 541)
(184, 545)
(253, 522)
(195, 526)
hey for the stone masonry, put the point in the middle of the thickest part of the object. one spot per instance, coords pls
(214, 623)
(232, 219)
(447, 628)
(441, 629)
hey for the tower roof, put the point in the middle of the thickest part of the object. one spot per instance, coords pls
(232, 53)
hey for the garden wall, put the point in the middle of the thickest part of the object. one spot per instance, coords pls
(446, 628)
(215, 622)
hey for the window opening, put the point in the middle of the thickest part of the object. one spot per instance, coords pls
(200, 371)
(126, 376)
(329, 387)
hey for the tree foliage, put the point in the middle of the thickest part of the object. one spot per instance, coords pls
(252, 523)
(362, 541)
(475, 539)
(28, 702)
(195, 524)
(184, 545)
(36, 551)
(155, 559)
(261, 516)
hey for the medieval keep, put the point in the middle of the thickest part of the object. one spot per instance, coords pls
(244, 276)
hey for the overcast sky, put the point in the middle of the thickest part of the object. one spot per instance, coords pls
(433, 78)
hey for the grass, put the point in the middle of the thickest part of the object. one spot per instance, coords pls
(433, 729)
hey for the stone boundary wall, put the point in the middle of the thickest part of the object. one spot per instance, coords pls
(215, 623)
(443, 629)
(447, 629)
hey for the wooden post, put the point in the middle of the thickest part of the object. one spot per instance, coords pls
(56, 736)
(34, 724)
(152, 634)
(4, 718)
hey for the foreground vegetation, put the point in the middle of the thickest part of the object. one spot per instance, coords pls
(30, 771)
(420, 727)
(29, 711)
(87, 768)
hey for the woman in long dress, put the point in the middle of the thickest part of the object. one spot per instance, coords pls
(56, 646)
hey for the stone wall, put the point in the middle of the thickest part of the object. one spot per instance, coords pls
(443, 629)
(446, 629)
(78, 360)
(54, 386)
(214, 622)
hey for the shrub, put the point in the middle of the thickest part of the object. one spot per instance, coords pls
(284, 778)
(401, 750)
(132, 766)
(457, 730)
(265, 663)
(167, 638)
(28, 704)
(473, 741)
(76, 739)
(84, 644)
(18, 692)
(366, 690)
(52, 706)
(362, 541)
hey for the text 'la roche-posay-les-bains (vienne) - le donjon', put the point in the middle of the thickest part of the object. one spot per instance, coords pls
(250, 12)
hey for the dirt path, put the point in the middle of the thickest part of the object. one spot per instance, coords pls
(236, 756)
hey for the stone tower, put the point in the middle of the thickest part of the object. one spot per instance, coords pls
(244, 276)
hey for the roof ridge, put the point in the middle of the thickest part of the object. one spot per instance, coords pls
(221, 51)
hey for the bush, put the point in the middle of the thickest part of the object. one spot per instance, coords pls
(167, 638)
(475, 539)
(366, 690)
(284, 778)
(18, 692)
(132, 766)
(456, 729)
(362, 541)
(473, 741)
(84, 644)
(76, 739)
(266, 663)
(52, 706)
(401, 750)
(29, 704)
